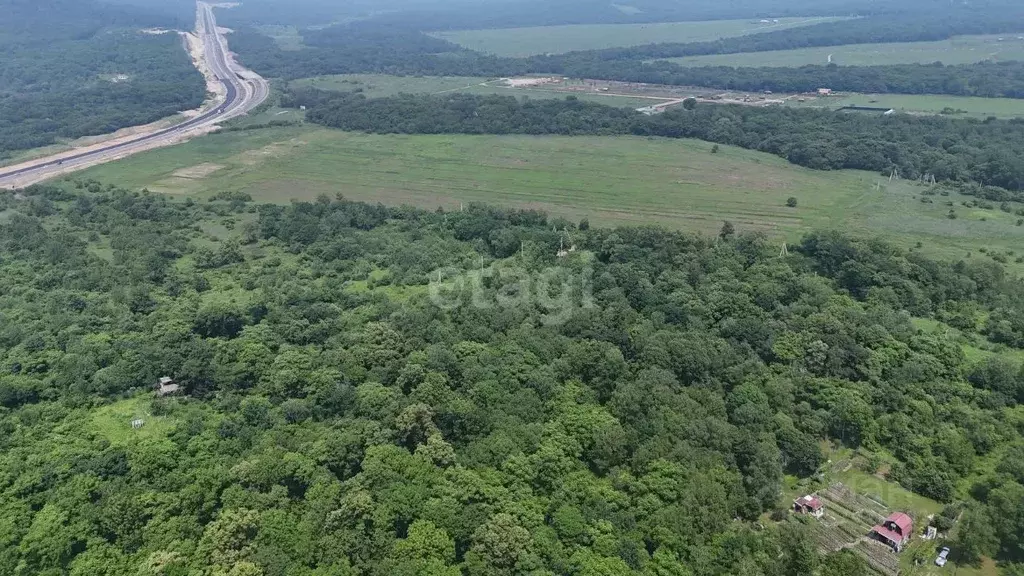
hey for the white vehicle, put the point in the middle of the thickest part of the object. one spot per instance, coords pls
(943, 555)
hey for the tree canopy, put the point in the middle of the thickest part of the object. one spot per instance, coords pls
(348, 410)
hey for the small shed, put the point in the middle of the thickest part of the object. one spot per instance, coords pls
(138, 423)
(824, 91)
(810, 505)
(167, 386)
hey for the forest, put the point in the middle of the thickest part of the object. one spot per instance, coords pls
(346, 412)
(76, 69)
(953, 149)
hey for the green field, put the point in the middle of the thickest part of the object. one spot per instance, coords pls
(380, 85)
(286, 37)
(559, 39)
(958, 50)
(611, 180)
(927, 103)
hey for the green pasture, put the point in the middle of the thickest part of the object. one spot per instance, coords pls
(560, 39)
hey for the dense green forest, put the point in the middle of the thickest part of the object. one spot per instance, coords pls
(959, 150)
(74, 68)
(631, 413)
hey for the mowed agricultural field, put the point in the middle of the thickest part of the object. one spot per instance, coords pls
(380, 85)
(958, 50)
(611, 180)
(924, 103)
(559, 39)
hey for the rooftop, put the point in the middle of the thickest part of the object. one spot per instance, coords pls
(905, 522)
(809, 501)
(888, 534)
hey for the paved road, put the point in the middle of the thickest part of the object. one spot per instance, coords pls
(244, 91)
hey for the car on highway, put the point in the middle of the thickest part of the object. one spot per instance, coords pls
(943, 556)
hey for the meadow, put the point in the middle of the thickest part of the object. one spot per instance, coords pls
(381, 85)
(610, 180)
(560, 39)
(957, 50)
(286, 37)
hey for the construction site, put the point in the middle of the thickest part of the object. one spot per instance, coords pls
(661, 96)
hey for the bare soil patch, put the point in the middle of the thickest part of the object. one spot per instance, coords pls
(197, 172)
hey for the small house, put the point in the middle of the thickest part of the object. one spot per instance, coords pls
(824, 91)
(167, 386)
(810, 505)
(895, 531)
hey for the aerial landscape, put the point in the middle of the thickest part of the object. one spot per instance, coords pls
(512, 287)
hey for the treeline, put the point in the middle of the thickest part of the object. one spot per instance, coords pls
(341, 421)
(363, 48)
(94, 74)
(961, 150)
(984, 79)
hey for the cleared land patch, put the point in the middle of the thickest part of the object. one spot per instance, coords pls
(559, 39)
(640, 95)
(381, 85)
(610, 180)
(286, 37)
(957, 50)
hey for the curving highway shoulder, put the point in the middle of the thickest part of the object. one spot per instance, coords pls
(243, 91)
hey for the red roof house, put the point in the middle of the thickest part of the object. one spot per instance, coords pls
(895, 531)
(809, 505)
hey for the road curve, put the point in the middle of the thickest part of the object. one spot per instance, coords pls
(243, 92)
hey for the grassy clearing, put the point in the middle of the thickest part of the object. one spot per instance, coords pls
(381, 85)
(928, 103)
(611, 180)
(287, 37)
(957, 50)
(559, 39)
(272, 114)
(891, 494)
(114, 422)
(975, 347)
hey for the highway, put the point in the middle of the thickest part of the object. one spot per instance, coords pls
(244, 91)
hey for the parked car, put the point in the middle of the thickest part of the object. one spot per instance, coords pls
(943, 555)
